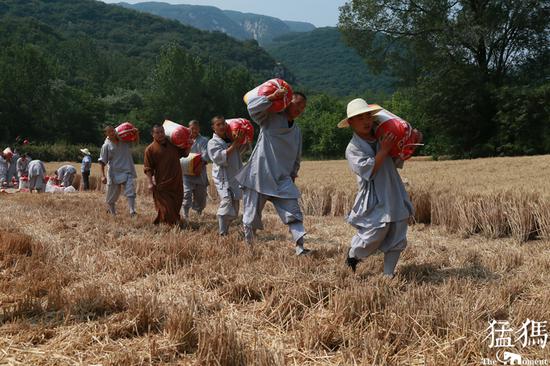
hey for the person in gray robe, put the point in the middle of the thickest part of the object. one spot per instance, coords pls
(37, 175)
(226, 163)
(4, 165)
(11, 176)
(382, 207)
(65, 174)
(270, 172)
(86, 168)
(117, 156)
(22, 166)
(195, 187)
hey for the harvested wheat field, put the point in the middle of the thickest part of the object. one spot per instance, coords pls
(79, 287)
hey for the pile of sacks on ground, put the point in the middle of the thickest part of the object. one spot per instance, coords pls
(53, 186)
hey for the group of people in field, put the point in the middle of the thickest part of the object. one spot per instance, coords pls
(16, 168)
(380, 212)
(13, 167)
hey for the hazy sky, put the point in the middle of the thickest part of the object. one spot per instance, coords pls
(319, 12)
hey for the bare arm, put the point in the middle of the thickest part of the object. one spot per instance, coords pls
(386, 143)
(150, 181)
(236, 143)
(149, 169)
(277, 94)
(103, 177)
(103, 160)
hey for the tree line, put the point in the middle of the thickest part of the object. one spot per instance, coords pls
(39, 102)
(472, 75)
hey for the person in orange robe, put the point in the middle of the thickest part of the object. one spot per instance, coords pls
(163, 170)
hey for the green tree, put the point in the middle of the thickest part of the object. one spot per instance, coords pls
(456, 54)
(73, 115)
(25, 75)
(125, 105)
(523, 120)
(223, 91)
(34, 103)
(176, 86)
(184, 87)
(321, 137)
(493, 36)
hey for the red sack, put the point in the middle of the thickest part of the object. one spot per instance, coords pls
(406, 139)
(268, 88)
(191, 164)
(235, 125)
(127, 132)
(177, 134)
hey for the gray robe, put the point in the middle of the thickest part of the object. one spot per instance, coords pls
(381, 198)
(276, 157)
(12, 169)
(23, 166)
(224, 168)
(66, 174)
(118, 157)
(37, 172)
(200, 146)
(3, 169)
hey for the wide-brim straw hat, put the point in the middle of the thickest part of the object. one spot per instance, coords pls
(356, 107)
(85, 151)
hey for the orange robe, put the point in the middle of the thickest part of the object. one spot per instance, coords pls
(162, 161)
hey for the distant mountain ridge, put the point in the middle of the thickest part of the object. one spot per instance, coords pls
(236, 24)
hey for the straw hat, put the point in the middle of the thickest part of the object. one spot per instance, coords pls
(356, 107)
(7, 152)
(85, 151)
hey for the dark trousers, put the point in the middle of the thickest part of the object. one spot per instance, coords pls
(86, 180)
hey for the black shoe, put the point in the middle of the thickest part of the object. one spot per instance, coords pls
(302, 252)
(352, 263)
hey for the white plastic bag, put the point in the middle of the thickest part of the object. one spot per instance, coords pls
(52, 188)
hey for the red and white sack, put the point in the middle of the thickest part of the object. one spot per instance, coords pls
(177, 134)
(406, 137)
(24, 183)
(236, 125)
(191, 164)
(127, 132)
(268, 88)
(52, 187)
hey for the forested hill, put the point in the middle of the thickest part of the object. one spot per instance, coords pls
(68, 67)
(126, 33)
(321, 61)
